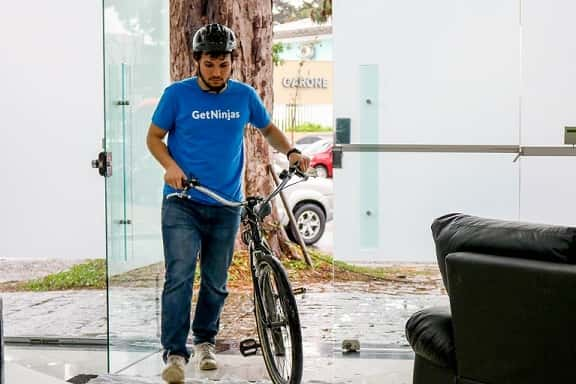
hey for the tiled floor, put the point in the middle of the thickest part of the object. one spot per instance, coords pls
(16, 373)
(145, 367)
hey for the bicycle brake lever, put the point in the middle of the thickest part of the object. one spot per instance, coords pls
(299, 172)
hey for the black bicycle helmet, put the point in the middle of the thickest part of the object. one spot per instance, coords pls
(214, 38)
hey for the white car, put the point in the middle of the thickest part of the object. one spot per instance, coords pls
(311, 202)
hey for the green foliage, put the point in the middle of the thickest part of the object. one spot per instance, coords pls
(373, 272)
(295, 265)
(317, 10)
(284, 12)
(310, 127)
(277, 49)
(91, 274)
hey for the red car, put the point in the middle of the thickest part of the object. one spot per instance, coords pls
(320, 154)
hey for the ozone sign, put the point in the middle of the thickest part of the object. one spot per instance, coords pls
(304, 82)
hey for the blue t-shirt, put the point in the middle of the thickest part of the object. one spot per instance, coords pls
(206, 133)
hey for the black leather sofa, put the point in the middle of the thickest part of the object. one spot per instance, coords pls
(512, 314)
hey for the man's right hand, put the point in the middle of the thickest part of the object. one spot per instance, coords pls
(174, 177)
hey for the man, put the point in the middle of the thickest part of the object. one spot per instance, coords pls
(204, 117)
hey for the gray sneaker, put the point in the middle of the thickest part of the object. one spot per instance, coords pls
(174, 370)
(205, 353)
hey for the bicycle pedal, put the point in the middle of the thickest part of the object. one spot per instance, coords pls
(249, 347)
(299, 291)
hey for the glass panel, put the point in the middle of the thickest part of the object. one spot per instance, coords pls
(548, 190)
(548, 77)
(444, 77)
(136, 71)
(369, 170)
(400, 274)
(415, 188)
(548, 53)
(51, 204)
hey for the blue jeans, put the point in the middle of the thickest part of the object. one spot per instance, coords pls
(189, 230)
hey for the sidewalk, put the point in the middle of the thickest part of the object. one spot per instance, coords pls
(329, 314)
(370, 311)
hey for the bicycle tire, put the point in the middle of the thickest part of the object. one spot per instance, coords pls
(271, 276)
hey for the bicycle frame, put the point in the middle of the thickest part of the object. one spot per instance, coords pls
(252, 237)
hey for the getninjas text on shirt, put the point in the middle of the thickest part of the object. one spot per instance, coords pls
(215, 114)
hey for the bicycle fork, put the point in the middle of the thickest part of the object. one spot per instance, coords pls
(250, 346)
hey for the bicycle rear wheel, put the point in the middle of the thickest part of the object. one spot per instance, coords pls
(278, 323)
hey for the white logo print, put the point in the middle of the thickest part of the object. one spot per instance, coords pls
(215, 114)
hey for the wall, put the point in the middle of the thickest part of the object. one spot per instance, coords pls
(449, 73)
(303, 82)
(52, 203)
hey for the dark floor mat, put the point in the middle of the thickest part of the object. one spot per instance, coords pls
(81, 379)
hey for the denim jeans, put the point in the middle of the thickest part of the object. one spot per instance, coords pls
(189, 230)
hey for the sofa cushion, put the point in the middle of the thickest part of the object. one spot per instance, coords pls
(457, 232)
(429, 332)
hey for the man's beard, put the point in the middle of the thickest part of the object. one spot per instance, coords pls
(210, 87)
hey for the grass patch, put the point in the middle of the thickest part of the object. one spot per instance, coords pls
(321, 259)
(310, 127)
(91, 274)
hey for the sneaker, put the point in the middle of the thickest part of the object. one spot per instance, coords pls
(205, 352)
(174, 370)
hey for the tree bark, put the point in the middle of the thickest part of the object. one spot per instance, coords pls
(251, 20)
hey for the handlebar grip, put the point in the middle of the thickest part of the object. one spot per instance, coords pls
(294, 168)
(190, 183)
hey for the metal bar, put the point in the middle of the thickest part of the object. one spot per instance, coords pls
(549, 151)
(440, 148)
(31, 340)
(428, 148)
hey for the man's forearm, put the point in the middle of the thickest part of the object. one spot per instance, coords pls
(159, 150)
(277, 139)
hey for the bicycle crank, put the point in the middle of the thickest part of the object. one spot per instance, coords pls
(249, 347)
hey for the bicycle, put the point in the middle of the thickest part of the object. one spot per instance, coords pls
(277, 319)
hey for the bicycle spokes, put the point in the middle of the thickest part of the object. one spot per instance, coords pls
(278, 324)
(275, 325)
(275, 319)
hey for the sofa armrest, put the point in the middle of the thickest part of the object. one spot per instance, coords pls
(513, 318)
(429, 332)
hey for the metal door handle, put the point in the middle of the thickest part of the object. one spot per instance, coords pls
(103, 163)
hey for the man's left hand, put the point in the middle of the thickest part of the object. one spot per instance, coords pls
(303, 161)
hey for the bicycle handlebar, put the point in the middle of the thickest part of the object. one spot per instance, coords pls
(285, 176)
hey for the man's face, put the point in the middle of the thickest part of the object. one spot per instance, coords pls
(215, 71)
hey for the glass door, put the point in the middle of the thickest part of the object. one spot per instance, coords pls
(135, 73)
(443, 115)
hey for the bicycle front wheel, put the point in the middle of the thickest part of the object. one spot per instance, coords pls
(278, 323)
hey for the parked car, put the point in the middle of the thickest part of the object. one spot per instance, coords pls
(311, 202)
(305, 141)
(320, 154)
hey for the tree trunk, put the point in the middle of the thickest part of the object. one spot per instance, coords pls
(251, 20)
